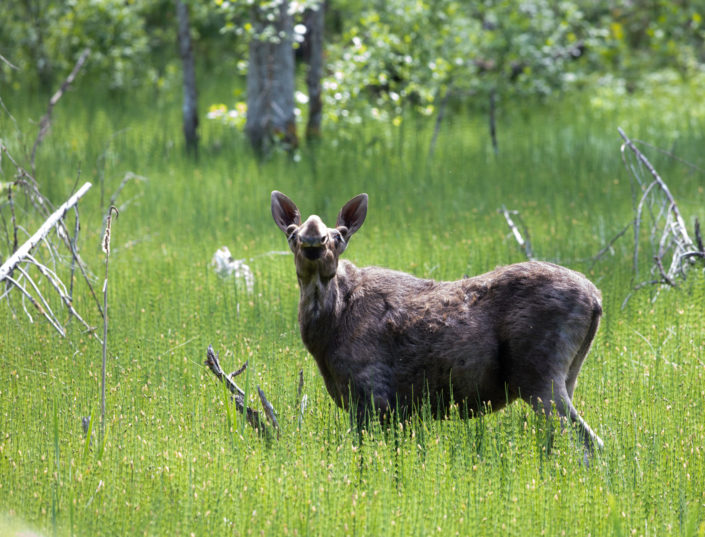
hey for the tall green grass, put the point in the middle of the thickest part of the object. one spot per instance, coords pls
(174, 462)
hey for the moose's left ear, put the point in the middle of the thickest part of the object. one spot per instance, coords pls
(284, 211)
(352, 215)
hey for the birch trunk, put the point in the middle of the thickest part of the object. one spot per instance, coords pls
(270, 82)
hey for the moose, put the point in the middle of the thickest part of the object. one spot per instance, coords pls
(386, 341)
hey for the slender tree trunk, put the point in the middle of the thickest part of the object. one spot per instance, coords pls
(493, 127)
(45, 72)
(270, 83)
(439, 119)
(190, 106)
(314, 19)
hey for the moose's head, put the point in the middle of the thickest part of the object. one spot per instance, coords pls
(317, 247)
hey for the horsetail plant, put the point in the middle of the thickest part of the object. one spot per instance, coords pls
(106, 250)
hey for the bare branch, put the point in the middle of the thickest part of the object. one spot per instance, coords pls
(268, 410)
(524, 243)
(60, 289)
(8, 62)
(672, 248)
(664, 187)
(609, 245)
(52, 221)
(45, 122)
(252, 416)
(36, 305)
(238, 372)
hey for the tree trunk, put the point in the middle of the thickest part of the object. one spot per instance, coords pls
(45, 71)
(493, 125)
(313, 20)
(270, 82)
(190, 106)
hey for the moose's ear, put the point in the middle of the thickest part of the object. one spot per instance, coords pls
(284, 211)
(352, 215)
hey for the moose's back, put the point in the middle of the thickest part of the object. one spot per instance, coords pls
(485, 338)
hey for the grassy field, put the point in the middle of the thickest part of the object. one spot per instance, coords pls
(177, 461)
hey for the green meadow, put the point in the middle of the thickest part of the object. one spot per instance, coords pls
(177, 460)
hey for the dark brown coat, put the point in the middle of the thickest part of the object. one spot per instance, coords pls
(390, 339)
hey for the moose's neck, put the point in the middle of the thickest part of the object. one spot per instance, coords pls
(321, 303)
(319, 298)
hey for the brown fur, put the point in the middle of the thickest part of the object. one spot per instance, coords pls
(388, 339)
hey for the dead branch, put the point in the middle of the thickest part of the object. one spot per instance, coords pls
(23, 256)
(22, 252)
(37, 305)
(524, 243)
(9, 63)
(252, 416)
(60, 289)
(609, 245)
(268, 410)
(129, 176)
(45, 122)
(667, 230)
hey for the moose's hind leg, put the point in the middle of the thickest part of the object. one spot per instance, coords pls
(557, 394)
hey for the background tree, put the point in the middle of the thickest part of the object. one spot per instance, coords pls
(314, 22)
(270, 78)
(190, 104)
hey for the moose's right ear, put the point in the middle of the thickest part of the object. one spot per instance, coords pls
(284, 211)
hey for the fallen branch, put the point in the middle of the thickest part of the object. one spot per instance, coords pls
(524, 243)
(39, 235)
(667, 232)
(252, 416)
(23, 256)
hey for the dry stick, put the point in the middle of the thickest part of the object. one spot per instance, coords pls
(268, 410)
(49, 313)
(45, 122)
(672, 202)
(5, 60)
(74, 246)
(637, 226)
(13, 219)
(36, 305)
(61, 291)
(45, 228)
(252, 416)
(106, 249)
(608, 246)
(302, 398)
(525, 244)
(673, 235)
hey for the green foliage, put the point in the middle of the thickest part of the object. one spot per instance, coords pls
(657, 34)
(57, 32)
(410, 54)
(132, 43)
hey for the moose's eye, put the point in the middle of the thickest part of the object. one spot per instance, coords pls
(337, 237)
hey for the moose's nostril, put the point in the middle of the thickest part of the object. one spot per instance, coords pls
(313, 241)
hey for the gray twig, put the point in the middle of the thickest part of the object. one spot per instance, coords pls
(45, 122)
(523, 240)
(252, 416)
